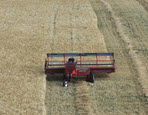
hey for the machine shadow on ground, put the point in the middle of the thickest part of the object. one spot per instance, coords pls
(59, 77)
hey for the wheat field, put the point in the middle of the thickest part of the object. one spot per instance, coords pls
(29, 29)
(22, 54)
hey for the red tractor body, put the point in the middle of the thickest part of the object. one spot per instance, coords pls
(72, 68)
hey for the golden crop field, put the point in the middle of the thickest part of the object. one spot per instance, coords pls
(29, 29)
(22, 53)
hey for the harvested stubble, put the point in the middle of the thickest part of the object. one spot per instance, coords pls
(140, 66)
(117, 93)
(137, 36)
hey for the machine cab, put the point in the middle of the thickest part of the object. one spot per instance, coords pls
(70, 66)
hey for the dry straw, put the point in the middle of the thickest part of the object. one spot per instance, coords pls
(141, 69)
(144, 3)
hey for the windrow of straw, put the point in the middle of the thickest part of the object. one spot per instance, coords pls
(82, 99)
(141, 69)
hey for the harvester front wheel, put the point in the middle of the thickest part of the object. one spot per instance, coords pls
(65, 83)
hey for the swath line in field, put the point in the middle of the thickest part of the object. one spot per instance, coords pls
(141, 69)
(82, 98)
(83, 107)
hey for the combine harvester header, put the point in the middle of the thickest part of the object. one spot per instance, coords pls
(73, 68)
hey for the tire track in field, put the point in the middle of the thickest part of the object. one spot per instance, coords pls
(141, 69)
(71, 32)
(54, 29)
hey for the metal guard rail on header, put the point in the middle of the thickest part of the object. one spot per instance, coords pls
(72, 68)
(52, 66)
(78, 54)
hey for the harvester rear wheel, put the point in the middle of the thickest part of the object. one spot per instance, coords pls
(92, 77)
(88, 78)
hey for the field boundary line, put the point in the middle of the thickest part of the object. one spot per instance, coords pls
(141, 69)
(44, 95)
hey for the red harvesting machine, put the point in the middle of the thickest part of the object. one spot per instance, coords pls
(73, 68)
